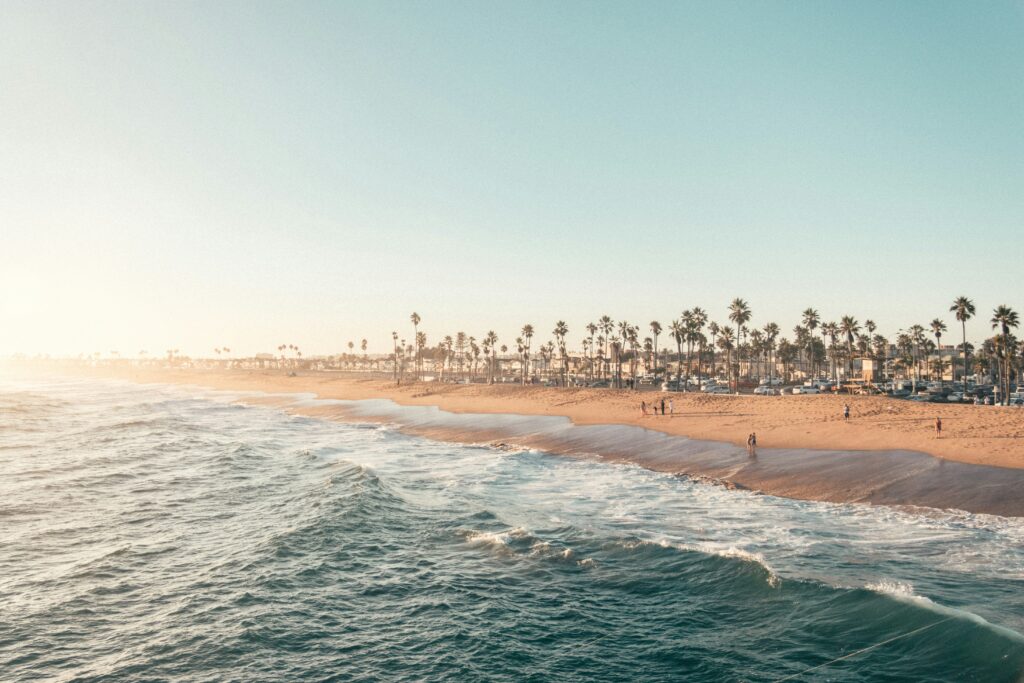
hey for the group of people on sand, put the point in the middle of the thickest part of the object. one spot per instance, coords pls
(656, 405)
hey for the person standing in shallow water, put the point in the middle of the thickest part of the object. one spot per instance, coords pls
(752, 444)
(938, 427)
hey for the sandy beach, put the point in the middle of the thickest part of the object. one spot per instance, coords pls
(980, 435)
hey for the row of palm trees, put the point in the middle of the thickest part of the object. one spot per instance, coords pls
(818, 348)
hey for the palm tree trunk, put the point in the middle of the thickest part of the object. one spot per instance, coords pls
(963, 329)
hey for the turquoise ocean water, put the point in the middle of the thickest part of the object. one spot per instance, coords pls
(152, 534)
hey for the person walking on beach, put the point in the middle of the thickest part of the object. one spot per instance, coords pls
(938, 427)
(846, 411)
(752, 444)
(663, 407)
(643, 407)
(671, 408)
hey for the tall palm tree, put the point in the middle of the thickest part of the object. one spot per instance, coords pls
(449, 344)
(394, 341)
(655, 330)
(714, 329)
(849, 327)
(725, 342)
(811, 319)
(830, 330)
(527, 333)
(421, 343)
(739, 313)
(938, 327)
(561, 329)
(624, 328)
(771, 332)
(1004, 318)
(917, 336)
(678, 331)
(591, 331)
(606, 325)
(415, 318)
(699, 318)
(963, 309)
(491, 340)
(687, 319)
(756, 349)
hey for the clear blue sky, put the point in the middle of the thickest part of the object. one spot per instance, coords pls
(247, 174)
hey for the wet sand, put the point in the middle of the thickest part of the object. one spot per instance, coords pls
(886, 453)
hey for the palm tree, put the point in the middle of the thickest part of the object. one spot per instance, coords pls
(699, 318)
(756, 349)
(394, 341)
(415, 318)
(591, 330)
(830, 330)
(963, 308)
(561, 329)
(725, 342)
(606, 325)
(677, 331)
(739, 313)
(655, 330)
(810, 320)
(918, 338)
(938, 327)
(490, 341)
(624, 328)
(687, 319)
(714, 329)
(771, 332)
(1004, 318)
(527, 333)
(849, 327)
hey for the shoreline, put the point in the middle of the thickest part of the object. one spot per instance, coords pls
(602, 425)
(980, 435)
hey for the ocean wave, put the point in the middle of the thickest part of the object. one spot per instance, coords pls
(904, 592)
(730, 552)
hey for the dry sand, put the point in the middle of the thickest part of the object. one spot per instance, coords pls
(983, 435)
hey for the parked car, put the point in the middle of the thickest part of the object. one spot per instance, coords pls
(599, 384)
(806, 390)
(717, 390)
(764, 390)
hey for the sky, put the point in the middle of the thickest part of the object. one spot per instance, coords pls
(194, 175)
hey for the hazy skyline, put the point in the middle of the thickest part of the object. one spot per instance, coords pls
(187, 175)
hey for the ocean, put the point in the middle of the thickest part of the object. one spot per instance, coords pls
(152, 533)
